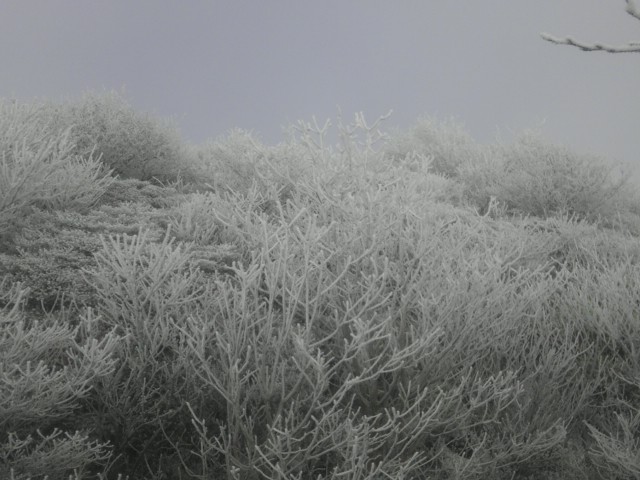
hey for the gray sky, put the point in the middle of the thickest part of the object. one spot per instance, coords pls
(263, 64)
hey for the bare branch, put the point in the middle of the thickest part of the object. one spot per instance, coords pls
(630, 47)
(632, 9)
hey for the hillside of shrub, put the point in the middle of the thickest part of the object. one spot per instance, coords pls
(412, 306)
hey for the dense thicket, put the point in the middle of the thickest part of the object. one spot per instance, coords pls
(413, 306)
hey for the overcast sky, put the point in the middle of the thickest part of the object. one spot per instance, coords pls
(263, 64)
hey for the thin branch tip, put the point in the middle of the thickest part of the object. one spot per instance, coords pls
(631, 47)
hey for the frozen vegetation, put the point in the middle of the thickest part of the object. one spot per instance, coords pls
(406, 306)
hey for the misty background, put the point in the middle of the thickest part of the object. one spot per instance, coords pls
(261, 65)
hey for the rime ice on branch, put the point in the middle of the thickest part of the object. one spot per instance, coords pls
(632, 9)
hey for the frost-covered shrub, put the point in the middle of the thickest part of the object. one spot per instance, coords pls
(615, 450)
(128, 217)
(544, 178)
(534, 177)
(230, 162)
(133, 144)
(52, 275)
(238, 162)
(230, 221)
(132, 190)
(39, 166)
(333, 311)
(48, 369)
(603, 309)
(58, 455)
(623, 213)
(445, 143)
(53, 248)
(146, 291)
(194, 219)
(381, 313)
